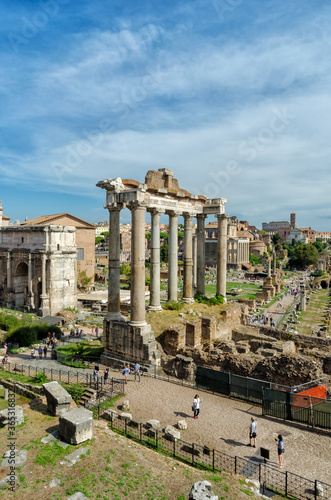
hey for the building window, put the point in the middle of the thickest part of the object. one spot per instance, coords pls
(80, 253)
(22, 239)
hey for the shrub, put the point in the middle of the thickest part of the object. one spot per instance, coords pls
(173, 305)
(40, 378)
(30, 334)
(212, 301)
(76, 391)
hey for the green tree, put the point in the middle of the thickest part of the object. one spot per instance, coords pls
(278, 246)
(275, 238)
(164, 251)
(319, 245)
(99, 240)
(305, 255)
(83, 279)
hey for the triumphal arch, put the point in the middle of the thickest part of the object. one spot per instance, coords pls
(159, 194)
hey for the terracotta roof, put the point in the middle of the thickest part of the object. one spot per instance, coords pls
(51, 219)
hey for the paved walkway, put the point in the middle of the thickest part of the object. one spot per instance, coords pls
(223, 423)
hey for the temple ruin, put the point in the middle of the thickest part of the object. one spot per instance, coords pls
(159, 194)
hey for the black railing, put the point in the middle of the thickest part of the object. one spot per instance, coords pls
(286, 483)
(287, 411)
(67, 377)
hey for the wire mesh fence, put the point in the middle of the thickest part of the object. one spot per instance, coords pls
(285, 483)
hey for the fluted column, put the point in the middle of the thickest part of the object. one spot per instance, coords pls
(188, 260)
(173, 257)
(137, 317)
(232, 253)
(44, 296)
(221, 254)
(201, 258)
(195, 263)
(30, 292)
(154, 303)
(114, 298)
(9, 271)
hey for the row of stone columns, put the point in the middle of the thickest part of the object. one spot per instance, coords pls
(138, 260)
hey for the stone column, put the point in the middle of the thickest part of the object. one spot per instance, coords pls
(9, 273)
(232, 253)
(30, 292)
(173, 257)
(114, 298)
(221, 254)
(137, 317)
(195, 263)
(269, 267)
(154, 303)
(274, 262)
(201, 257)
(188, 260)
(44, 309)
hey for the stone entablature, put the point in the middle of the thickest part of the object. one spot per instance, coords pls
(38, 269)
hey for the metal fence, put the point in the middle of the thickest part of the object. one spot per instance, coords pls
(309, 415)
(286, 483)
(67, 377)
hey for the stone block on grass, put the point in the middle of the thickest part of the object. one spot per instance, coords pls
(58, 399)
(171, 433)
(182, 425)
(76, 426)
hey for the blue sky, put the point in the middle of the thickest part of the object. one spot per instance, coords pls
(232, 95)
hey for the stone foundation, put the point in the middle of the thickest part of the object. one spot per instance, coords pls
(135, 343)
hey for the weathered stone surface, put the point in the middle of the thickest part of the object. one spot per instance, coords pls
(201, 490)
(54, 483)
(172, 433)
(76, 426)
(182, 424)
(126, 416)
(254, 485)
(13, 415)
(154, 424)
(9, 452)
(78, 496)
(20, 458)
(110, 415)
(126, 405)
(6, 481)
(75, 455)
(58, 399)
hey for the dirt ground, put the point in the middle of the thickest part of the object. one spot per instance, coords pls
(115, 468)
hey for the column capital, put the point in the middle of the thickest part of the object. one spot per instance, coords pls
(187, 215)
(155, 210)
(201, 216)
(115, 207)
(132, 205)
(222, 216)
(173, 213)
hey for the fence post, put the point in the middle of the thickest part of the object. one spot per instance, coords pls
(68, 377)
(213, 459)
(315, 490)
(235, 464)
(286, 484)
(192, 453)
(125, 424)
(60, 375)
(157, 438)
(140, 432)
(260, 473)
(29, 370)
(77, 377)
(174, 450)
(51, 373)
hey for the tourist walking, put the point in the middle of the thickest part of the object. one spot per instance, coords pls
(126, 373)
(96, 376)
(252, 432)
(40, 352)
(33, 356)
(280, 449)
(105, 375)
(136, 371)
(196, 406)
(45, 351)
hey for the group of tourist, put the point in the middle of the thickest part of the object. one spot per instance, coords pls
(263, 319)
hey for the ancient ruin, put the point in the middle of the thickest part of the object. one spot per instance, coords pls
(160, 193)
(38, 268)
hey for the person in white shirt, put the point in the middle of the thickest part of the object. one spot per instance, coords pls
(196, 405)
(252, 432)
